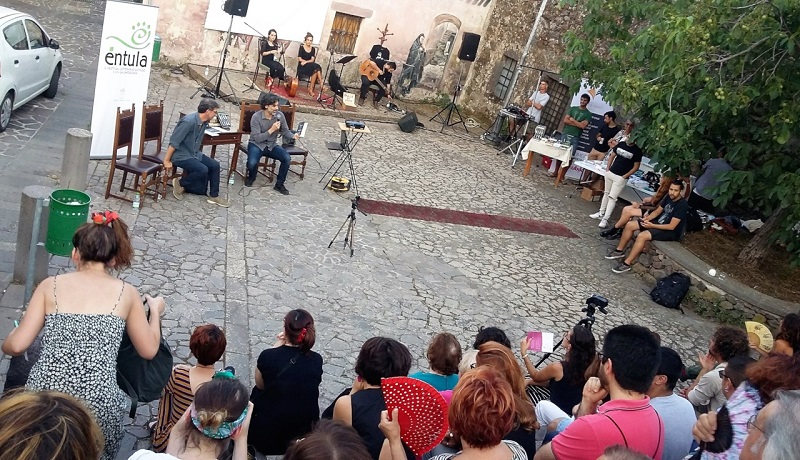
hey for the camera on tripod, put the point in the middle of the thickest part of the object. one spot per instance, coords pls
(595, 302)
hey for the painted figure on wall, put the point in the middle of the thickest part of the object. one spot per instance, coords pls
(412, 69)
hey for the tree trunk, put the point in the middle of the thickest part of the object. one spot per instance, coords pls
(757, 248)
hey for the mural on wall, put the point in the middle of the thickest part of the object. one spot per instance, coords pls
(412, 68)
(440, 45)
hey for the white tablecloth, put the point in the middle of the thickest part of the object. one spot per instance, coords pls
(549, 150)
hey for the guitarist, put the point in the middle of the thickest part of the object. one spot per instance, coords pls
(380, 76)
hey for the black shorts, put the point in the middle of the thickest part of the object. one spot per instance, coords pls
(663, 235)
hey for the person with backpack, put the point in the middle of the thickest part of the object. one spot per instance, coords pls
(84, 315)
(665, 223)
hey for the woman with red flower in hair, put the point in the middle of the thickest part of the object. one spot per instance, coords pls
(286, 396)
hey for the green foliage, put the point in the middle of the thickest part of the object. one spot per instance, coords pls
(693, 71)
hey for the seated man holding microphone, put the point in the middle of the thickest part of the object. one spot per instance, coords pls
(665, 223)
(264, 129)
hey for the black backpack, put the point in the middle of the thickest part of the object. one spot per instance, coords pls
(670, 290)
(142, 379)
(694, 223)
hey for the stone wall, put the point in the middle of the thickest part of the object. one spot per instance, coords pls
(710, 299)
(505, 33)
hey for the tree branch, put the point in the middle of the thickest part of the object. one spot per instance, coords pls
(745, 51)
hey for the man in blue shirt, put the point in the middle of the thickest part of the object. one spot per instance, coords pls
(184, 151)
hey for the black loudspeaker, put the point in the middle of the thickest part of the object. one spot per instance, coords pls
(408, 123)
(469, 46)
(236, 7)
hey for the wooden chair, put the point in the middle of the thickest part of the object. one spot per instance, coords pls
(147, 172)
(152, 136)
(266, 166)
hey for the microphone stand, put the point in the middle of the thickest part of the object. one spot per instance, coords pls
(332, 53)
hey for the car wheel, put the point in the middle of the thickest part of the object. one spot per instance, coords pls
(5, 111)
(53, 88)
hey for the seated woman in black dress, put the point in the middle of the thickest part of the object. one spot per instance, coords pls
(307, 67)
(379, 357)
(286, 396)
(270, 51)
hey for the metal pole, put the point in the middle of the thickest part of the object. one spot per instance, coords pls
(37, 219)
(531, 39)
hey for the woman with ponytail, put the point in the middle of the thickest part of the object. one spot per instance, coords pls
(286, 396)
(83, 315)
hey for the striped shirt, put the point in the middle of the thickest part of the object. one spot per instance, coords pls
(177, 397)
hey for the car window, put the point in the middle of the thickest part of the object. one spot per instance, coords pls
(35, 34)
(15, 36)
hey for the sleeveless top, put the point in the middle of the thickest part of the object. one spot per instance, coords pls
(563, 393)
(177, 397)
(79, 357)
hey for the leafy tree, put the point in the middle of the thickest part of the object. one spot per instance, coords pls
(695, 71)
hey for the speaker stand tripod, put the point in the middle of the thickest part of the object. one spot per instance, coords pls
(450, 108)
(220, 73)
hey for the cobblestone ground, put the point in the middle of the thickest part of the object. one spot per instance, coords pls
(246, 266)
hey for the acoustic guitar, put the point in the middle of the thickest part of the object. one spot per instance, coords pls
(291, 86)
(370, 70)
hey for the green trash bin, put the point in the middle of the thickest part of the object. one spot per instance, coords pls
(156, 48)
(69, 209)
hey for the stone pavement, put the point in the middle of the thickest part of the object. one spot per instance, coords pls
(246, 266)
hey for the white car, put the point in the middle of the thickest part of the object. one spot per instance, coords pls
(30, 62)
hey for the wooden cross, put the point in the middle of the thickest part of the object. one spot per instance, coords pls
(384, 33)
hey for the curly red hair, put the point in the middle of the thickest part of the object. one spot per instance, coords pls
(482, 409)
(774, 372)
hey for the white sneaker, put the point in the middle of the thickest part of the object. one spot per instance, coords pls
(597, 215)
(603, 223)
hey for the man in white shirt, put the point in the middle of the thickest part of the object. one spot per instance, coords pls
(676, 412)
(535, 104)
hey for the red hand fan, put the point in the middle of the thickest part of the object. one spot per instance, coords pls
(422, 412)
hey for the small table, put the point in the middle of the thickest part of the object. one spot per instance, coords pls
(564, 155)
(349, 140)
(221, 138)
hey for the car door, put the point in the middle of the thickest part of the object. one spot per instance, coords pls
(22, 61)
(42, 56)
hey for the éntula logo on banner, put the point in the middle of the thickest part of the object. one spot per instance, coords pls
(130, 51)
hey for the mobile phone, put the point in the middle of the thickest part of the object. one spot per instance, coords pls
(16, 323)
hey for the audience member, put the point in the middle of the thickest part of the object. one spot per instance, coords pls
(47, 424)
(765, 379)
(604, 135)
(676, 412)
(481, 413)
(286, 396)
(566, 378)
(788, 338)
(629, 362)
(84, 314)
(184, 151)
(705, 188)
(444, 355)
(665, 223)
(781, 429)
(620, 452)
(379, 357)
(491, 334)
(219, 414)
(706, 390)
(330, 440)
(207, 344)
(500, 358)
(623, 135)
(623, 162)
(467, 361)
(734, 374)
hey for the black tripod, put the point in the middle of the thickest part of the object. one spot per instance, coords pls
(220, 72)
(451, 107)
(593, 303)
(350, 222)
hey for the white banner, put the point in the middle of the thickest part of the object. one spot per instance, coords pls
(598, 107)
(123, 70)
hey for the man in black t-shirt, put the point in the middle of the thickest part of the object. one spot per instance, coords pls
(624, 161)
(384, 87)
(665, 223)
(604, 134)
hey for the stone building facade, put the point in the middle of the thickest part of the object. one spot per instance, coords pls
(503, 40)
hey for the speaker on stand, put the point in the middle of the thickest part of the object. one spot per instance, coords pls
(469, 47)
(236, 7)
